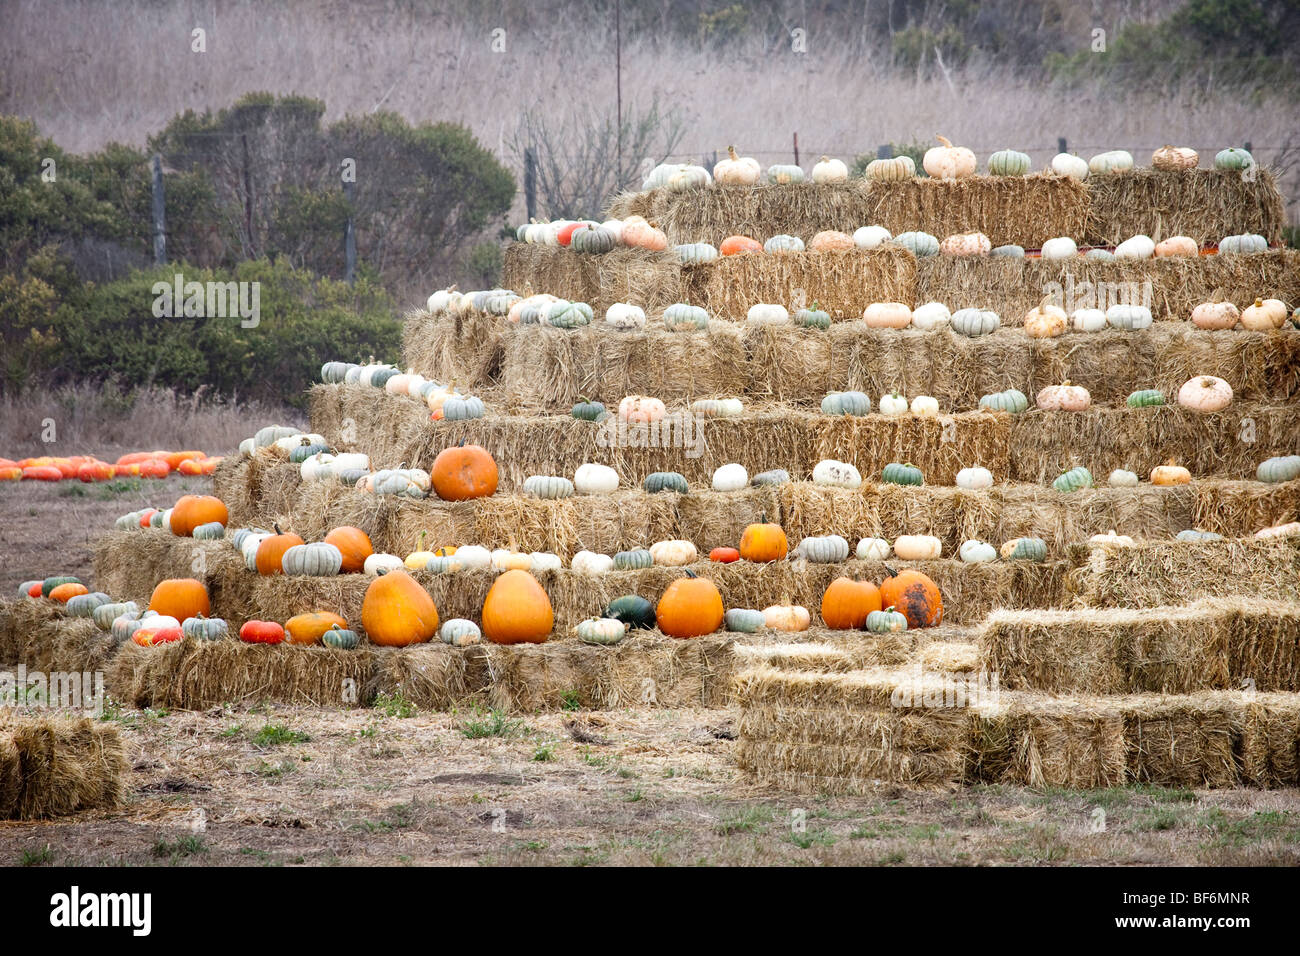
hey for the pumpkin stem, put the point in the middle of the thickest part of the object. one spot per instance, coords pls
(731, 152)
(944, 140)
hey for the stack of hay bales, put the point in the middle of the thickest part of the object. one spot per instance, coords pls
(52, 766)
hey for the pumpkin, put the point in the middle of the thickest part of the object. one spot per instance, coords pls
(517, 610)
(1281, 468)
(309, 628)
(920, 244)
(316, 560)
(787, 617)
(666, 481)
(887, 315)
(271, 549)
(1068, 164)
(1244, 244)
(594, 240)
(846, 403)
(873, 237)
(1073, 480)
(1136, 247)
(1009, 251)
(643, 235)
(673, 553)
(696, 253)
(780, 174)
(977, 552)
(211, 531)
(966, 244)
(602, 630)
(873, 549)
(830, 240)
(459, 632)
(205, 628)
(1012, 400)
(783, 243)
(824, 549)
(154, 634)
(1008, 162)
(353, 546)
(690, 607)
(776, 476)
(1064, 397)
(588, 411)
(633, 610)
(925, 406)
(1145, 398)
(1087, 320)
(1174, 158)
(736, 170)
(1171, 473)
(974, 479)
(916, 596)
(1121, 478)
(639, 409)
(730, 477)
(633, 560)
(381, 562)
(261, 632)
(589, 562)
(1111, 161)
(724, 555)
(947, 161)
(829, 170)
(896, 473)
(1111, 540)
(63, 593)
(397, 612)
(846, 603)
(464, 472)
(623, 315)
(1191, 534)
(836, 474)
(887, 621)
(763, 542)
(1264, 315)
(549, 487)
(193, 510)
(340, 638)
(683, 316)
(918, 547)
(1216, 315)
(1177, 246)
(594, 479)
(743, 620)
(813, 318)
(1025, 549)
(890, 170)
(1233, 158)
(975, 322)
(105, 614)
(180, 598)
(1045, 321)
(767, 313)
(931, 315)
(1129, 317)
(1205, 393)
(735, 245)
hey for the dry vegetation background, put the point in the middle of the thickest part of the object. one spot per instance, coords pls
(91, 73)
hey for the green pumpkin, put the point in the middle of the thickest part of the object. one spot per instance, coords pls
(659, 481)
(776, 476)
(205, 628)
(548, 486)
(918, 243)
(1145, 398)
(634, 560)
(899, 474)
(1029, 549)
(813, 318)
(1008, 162)
(462, 408)
(156, 519)
(49, 584)
(1073, 480)
(1009, 252)
(887, 621)
(340, 638)
(301, 453)
(209, 531)
(784, 173)
(696, 253)
(105, 614)
(1233, 158)
(1012, 400)
(601, 630)
(83, 605)
(1281, 468)
(846, 403)
(588, 411)
(682, 316)
(568, 315)
(379, 377)
(593, 240)
(633, 610)
(743, 620)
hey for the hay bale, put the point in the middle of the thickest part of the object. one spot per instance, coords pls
(651, 280)
(841, 283)
(464, 349)
(1270, 746)
(1191, 740)
(129, 564)
(1205, 204)
(1163, 573)
(1177, 284)
(52, 766)
(1212, 644)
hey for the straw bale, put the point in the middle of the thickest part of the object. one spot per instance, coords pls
(1271, 740)
(462, 349)
(1190, 740)
(1205, 204)
(651, 280)
(55, 765)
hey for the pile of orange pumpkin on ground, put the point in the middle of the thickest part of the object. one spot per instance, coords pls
(87, 468)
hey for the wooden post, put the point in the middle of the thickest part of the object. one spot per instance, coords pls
(349, 236)
(796, 149)
(159, 214)
(530, 183)
(1060, 145)
(248, 200)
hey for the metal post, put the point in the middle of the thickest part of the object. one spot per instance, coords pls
(530, 183)
(159, 214)
(796, 149)
(349, 236)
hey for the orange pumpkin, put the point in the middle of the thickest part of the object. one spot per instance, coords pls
(763, 542)
(737, 244)
(154, 468)
(308, 628)
(190, 467)
(846, 603)
(209, 465)
(690, 607)
(271, 551)
(261, 632)
(42, 473)
(96, 471)
(464, 472)
(193, 510)
(154, 636)
(914, 595)
(354, 544)
(65, 591)
(830, 241)
(517, 610)
(180, 598)
(397, 612)
(724, 555)
(35, 590)
(174, 458)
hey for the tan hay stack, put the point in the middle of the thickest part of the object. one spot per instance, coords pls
(462, 349)
(50, 766)
(1205, 204)
(129, 564)
(1213, 644)
(1012, 287)
(651, 280)
(1023, 210)
(1166, 573)
(39, 635)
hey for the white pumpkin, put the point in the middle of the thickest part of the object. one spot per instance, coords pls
(918, 547)
(925, 406)
(319, 467)
(674, 553)
(382, 562)
(474, 556)
(830, 170)
(589, 562)
(767, 313)
(974, 551)
(974, 479)
(871, 237)
(836, 474)
(443, 299)
(873, 549)
(1067, 164)
(1136, 247)
(545, 561)
(891, 403)
(731, 477)
(622, 315)
(1062, 247)
(1087, 320)
(932, 315)
(1120, 478)
(736, 169)
(593, 479)
(296, 441)
(1111, 539)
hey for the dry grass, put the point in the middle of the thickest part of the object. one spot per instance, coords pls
(52, 766)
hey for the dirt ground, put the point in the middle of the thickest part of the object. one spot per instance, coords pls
(272, 785)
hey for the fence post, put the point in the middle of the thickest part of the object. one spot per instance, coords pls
(885, 152)
(530, 183)
(796, 149)
(1247, 144)
(159, 214)
(248, 199)
(1060, 145)
(349, 236)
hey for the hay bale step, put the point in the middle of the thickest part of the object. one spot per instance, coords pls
(54, 765)
(1212, 644)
